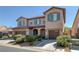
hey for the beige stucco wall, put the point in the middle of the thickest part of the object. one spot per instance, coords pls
(32, 20)
(31, 30)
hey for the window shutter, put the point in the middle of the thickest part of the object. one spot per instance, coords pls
(39, 21)
(48, 17)
(58, 16)
(52, 17)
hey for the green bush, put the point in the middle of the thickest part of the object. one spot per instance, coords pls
(77, 36)
(0, 35)
(5, 37)
(39, 38)
(14, 37)
(19, 38)
(30, 39)
(63, 40)
(10, 35)
(43, 37)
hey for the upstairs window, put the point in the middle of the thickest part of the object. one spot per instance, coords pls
(19, 23)
(53, 17)
(37, 21)
(30, 23)
(23, 23)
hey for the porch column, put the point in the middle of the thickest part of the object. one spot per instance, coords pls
(38, 32)
(46, 33)
(61, 32)
(27, 31)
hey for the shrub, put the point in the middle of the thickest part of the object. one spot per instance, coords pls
(39, 38)
(19, 38)
(0, 35)
(63, 41)
(14, 37)
(30, 39)
(5, 37)
(10, 35)
(77, 36)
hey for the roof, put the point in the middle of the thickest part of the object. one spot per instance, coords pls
(53, 8)
(31, 18)
(75, 18)
(37, 17)
(64, 11)
(21, 18)
(24, 27)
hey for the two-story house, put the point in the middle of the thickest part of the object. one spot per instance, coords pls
(50, 25)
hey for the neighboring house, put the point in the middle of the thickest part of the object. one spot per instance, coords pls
(75, 27)
(50, 25)
(5, 30)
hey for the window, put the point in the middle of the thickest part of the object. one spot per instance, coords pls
(37, 21)
(53, 17)
(19, 23)
(23, 23)
(43, 22)
(30, 23)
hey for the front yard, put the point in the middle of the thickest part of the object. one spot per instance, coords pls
(62, 43)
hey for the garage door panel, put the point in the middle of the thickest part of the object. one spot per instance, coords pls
(53, 34)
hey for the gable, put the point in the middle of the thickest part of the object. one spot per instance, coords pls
(59, 9)
(21, 18)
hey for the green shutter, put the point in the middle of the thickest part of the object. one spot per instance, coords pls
(48, 17)
(39, 21)
(58, 16)
(52, 17)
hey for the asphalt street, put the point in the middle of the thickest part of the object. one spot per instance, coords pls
(12, 49)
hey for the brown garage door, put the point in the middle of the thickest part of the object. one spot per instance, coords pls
(53, 34)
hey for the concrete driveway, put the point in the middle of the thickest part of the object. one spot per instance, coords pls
(45, 42)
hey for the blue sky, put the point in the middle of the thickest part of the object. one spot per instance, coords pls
(9, 14)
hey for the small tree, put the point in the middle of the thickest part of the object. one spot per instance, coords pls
(63, 41)
(66, 30)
